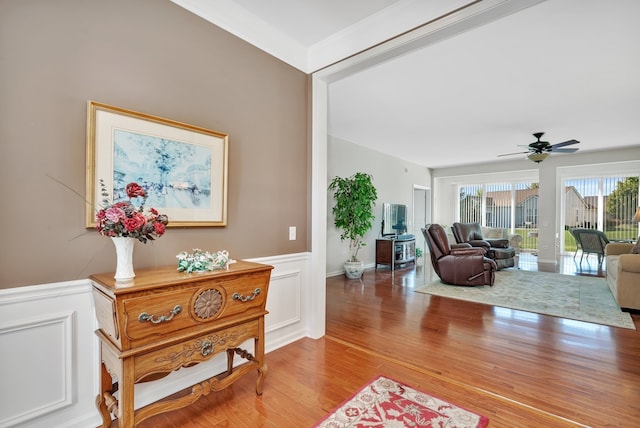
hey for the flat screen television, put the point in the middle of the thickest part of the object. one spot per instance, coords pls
(394, 219)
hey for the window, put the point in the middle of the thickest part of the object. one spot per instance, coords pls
(508, 205)
(471, 201)
(604, 203)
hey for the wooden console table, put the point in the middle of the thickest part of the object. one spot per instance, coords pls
(164, 320)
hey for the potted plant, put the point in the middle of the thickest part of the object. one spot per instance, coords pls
(354, 198)
(419, 259)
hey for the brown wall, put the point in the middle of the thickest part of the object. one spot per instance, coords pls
(153, 57)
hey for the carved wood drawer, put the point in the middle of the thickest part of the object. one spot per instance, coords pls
(157, 315)
(140, 315)
(193, 351)
(148, 317)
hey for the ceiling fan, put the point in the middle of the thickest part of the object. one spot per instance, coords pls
(540, 150)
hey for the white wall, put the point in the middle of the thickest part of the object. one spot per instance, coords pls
(49, 351)
(394, 180)
(548, 173)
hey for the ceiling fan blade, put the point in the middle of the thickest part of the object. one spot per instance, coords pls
(565, 143)
(511, 154)
(539, 147)
(570, 150)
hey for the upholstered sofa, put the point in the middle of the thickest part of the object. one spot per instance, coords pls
(623, 274)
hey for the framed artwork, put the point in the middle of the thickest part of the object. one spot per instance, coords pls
(182, 167)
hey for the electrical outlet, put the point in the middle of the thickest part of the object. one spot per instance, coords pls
(292, 233)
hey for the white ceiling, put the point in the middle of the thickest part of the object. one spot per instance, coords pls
(570, 68)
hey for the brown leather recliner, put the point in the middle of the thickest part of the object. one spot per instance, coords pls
(497, 249)
(462, 265)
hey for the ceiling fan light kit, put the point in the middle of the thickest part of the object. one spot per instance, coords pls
(537, 157)
(540, 150)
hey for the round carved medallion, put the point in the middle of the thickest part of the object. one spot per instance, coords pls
(208, 303)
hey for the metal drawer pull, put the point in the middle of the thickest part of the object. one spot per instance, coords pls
(238, 296)
(207, 348)
(143, 317)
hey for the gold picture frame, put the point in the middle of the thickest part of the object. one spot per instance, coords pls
(183, 167)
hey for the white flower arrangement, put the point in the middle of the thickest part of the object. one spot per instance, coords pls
(202, 261)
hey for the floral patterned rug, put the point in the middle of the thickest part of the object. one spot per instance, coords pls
(386, 403)
(581, 298)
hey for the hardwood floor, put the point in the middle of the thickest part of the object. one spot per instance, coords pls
(517, 368)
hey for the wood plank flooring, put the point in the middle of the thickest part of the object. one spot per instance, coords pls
(517, 368)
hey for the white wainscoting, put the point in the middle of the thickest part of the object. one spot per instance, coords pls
(49, 352)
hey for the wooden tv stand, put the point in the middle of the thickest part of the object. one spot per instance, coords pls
(165, 320)
(394, 252)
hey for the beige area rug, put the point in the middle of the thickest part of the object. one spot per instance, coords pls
(580, 298)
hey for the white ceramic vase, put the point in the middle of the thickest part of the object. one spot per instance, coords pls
(124, 258)
(354, 270)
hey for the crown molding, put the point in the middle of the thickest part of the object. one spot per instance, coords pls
(399, 18)
(250, 28)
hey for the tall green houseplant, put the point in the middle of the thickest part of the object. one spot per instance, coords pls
(355, 198)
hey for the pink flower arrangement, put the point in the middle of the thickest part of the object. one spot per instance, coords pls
(125, 220)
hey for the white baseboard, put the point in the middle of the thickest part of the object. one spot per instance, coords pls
(341, 272)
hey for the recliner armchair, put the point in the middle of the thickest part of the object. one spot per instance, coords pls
(463, 265)
(497, 249)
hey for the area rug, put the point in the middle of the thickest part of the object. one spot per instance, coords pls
(384, 402)
(581, 298)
